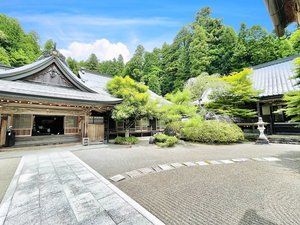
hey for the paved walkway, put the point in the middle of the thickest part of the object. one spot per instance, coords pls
(58, 188)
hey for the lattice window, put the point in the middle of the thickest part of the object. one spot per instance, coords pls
(21, 121)
(71, 121)
(96, 120)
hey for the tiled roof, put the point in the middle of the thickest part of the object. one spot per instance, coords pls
(98, 82)
(32, 91)
(274, 78)
(12, 85)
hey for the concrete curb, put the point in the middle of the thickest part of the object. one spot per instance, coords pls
(133, 203)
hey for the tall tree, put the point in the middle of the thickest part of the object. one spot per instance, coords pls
(293, 98)
(92, 62)
(134, 68)
(73, 64)
(21, 47)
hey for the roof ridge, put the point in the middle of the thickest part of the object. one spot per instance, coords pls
(277, 61)
(94, 72)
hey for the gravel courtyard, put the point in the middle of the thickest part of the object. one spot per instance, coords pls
(243, 193)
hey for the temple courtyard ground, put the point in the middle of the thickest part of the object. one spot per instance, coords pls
(241, 184)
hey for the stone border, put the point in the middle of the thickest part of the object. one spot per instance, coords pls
(132, 202)
(171, 166)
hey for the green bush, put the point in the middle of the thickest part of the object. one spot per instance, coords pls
(126, 140)
(212, 131)
(163, 140)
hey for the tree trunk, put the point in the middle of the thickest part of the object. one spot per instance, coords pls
(127, 133)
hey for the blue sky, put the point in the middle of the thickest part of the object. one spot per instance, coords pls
(118, 26)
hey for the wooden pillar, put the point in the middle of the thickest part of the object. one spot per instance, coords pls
(271, 120)
(258, 109)
(3, 129)
(86, 122)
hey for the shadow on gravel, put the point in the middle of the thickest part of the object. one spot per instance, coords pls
(251, 218)
(291, 160)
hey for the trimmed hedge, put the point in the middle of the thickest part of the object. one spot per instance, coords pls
(163, 140)
(212, 131)
(126, 141)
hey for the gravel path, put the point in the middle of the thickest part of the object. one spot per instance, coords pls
(248, 193)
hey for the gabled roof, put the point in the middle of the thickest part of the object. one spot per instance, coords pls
(13, 84)
(275, 78)
(98, 83)
(34, 91)
(33, 68)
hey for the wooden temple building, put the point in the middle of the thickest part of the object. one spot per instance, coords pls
(273, 80)
(45, 102)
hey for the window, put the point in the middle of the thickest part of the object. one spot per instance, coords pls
(96, 120)
(71, 121)
(21, 121)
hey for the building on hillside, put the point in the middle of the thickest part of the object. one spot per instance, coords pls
(141, 127)
(273, 80)
(45, 102)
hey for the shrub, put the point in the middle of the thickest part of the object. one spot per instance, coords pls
(126, 140)
(212, 131)
(163, 140)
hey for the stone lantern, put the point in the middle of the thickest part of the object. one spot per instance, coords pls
(262, 139)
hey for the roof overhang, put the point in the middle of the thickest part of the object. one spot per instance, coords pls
(282, 13)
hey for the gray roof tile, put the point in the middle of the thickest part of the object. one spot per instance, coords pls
(98, 82)
(274, 78)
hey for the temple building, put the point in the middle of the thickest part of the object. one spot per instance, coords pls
(45, 102)
(274, 79)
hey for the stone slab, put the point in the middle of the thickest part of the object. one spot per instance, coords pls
(226, 161)
(272, 159)
(177, 165)
(157, 169)
(146, 170)
(213, 162)
(134, 173)
(117, 178)
(166, 167)
(240, 160)
(202, 163)
(259, 159)
(189, 164)
(85, 206)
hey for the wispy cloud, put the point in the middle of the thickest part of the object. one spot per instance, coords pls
(80, 20)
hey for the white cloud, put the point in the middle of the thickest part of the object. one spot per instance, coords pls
(88, 20)
(103, 48)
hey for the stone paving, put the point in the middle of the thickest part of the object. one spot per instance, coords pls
(58, 188)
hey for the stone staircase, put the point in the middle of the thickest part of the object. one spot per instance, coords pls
(46, 140)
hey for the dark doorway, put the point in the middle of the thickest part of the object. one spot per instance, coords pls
(47, 125)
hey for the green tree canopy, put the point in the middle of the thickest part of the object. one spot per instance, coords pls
(135, 105)
(293, 98)
(234, 100)
(20, 47)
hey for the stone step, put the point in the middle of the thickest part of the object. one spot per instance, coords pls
(46, 140)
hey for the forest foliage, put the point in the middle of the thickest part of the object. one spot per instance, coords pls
(206, 45)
